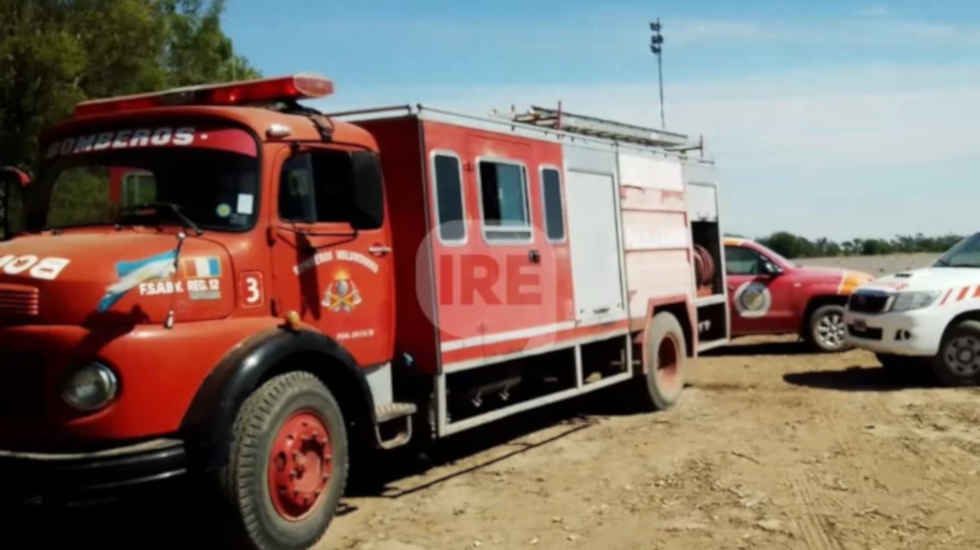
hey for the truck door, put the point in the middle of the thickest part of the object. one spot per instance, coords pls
(761, 300)
(332, 249)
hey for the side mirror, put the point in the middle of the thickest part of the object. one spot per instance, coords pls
(12, 173)
(368, 190)
(770, 268)
(12, 183)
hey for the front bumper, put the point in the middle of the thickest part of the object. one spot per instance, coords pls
(68, 476)
(912, 333)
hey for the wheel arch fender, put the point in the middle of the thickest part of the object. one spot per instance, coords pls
(207, 425)
(682, 308)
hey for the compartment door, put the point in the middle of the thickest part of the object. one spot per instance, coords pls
(594, 241)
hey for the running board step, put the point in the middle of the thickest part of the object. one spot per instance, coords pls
(394, 411)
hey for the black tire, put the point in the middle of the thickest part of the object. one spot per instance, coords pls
(958, 360)
(245, 479)
(826, 332)
(665, 362)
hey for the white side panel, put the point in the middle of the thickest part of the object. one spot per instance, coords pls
(654, 230)
(649, 172)
(594, 242)
(701, 202)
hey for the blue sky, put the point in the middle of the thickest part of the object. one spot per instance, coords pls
(835, 119)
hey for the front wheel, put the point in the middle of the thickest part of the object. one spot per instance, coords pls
(828, 332)
(958, 361)
(288, 463)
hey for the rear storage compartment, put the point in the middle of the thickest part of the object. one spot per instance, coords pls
(700, 178)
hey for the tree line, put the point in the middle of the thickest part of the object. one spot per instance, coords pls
(55, 53)
(795, 246)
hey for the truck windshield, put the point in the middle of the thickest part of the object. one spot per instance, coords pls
(965, 253)
(197, 177)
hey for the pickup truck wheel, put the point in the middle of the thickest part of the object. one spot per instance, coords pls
(665, 361)
(958, 361)
(827, 329)
(288, 464)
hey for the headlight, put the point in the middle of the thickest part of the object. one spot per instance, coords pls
(90, 388)
(905, 301)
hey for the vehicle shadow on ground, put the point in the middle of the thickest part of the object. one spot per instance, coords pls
(762, 348)
(181, 513)
(858, 378)
(389, 476)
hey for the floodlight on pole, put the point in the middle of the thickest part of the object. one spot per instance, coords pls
(657, 47)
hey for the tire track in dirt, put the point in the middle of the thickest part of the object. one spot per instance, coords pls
(812, 523)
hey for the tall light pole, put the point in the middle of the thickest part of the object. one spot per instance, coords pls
(657, 46)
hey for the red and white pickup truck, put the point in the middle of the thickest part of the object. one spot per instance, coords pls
(769, 294)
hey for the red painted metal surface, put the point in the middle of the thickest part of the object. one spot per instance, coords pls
(782, 299)
(300, 465)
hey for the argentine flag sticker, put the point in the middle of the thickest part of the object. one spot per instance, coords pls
(132, 273)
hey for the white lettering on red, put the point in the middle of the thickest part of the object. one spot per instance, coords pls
(184, 135)
(161, 136)
(122, 139)
(141, 138)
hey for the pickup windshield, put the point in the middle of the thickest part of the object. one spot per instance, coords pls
(965, 253)
(205, 177)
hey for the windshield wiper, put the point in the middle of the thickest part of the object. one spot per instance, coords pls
(941, 263)
(175, 208)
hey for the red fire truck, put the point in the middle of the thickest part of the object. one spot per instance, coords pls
(220, 279)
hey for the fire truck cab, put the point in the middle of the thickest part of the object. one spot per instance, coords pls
(220, 279)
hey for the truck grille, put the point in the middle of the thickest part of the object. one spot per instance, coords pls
(19, 301)
(868, 302)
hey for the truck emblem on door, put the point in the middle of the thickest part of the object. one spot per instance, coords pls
(753, 299)
(342, 295)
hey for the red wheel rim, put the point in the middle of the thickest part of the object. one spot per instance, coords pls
(667, 363)
(300, 465)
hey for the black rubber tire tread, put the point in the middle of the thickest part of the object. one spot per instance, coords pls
(242, 480)
(946, 376)
(652, 396)
(811, 337)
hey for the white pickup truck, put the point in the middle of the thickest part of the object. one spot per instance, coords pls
(929, 316)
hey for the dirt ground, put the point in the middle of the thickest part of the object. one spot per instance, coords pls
(770, 447)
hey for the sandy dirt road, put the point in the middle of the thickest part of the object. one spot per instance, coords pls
(771, 447)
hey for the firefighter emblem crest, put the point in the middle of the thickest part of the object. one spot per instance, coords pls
(342, 295)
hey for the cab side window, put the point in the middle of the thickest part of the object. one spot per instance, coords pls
(503, 193)
(332, 186)
(742, 261)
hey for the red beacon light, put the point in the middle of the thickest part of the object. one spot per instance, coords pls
(247, 92)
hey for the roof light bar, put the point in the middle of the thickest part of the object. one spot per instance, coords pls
(248, 92)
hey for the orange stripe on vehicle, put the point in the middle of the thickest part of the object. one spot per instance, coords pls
(946, 296)
(977, 293)
(963, 293)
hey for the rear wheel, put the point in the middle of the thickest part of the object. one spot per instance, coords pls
(958, 361)
(288, 463)
(665, 359)
(827, 329)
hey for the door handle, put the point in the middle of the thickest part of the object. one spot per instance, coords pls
(534, 256)
(379, 249)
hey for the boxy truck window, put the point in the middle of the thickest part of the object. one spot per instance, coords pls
(554, 216)
(449, 198)
(332, 186)
(506, 216)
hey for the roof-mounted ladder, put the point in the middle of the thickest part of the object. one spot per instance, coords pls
(557, 119)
